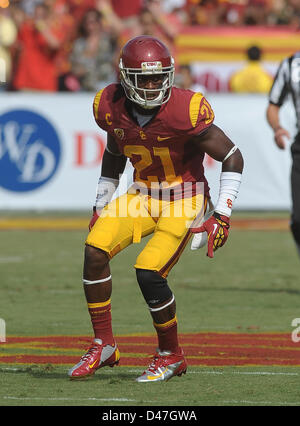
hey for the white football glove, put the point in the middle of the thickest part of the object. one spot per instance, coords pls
(200, 240)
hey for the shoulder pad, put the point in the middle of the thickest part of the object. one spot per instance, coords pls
(102, 108)
(200, 112)
(96, 104)
(189, 111)
(104, 102)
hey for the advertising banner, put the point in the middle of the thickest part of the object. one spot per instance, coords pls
(51, 150)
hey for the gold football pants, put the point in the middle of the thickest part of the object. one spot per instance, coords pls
(131, 217)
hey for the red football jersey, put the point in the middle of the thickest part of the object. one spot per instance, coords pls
(161, 151)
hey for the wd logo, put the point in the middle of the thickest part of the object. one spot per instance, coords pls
(29, 151)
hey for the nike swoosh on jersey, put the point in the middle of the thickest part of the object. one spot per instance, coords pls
(160, 139)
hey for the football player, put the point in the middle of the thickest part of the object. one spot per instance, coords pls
(164, 131)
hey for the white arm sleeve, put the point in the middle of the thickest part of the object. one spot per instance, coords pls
(229, 188)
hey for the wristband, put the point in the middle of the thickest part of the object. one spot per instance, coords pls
(229, 188)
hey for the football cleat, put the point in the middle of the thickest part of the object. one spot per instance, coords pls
(98, 355)
(164, 366)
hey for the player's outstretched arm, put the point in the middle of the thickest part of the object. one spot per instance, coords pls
(215, 229)
(113, 165)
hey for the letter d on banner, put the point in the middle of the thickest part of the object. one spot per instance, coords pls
(2, 331)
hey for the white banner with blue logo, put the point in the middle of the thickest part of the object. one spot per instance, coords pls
(51, 150)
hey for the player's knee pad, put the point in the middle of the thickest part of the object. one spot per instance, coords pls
(154, 287)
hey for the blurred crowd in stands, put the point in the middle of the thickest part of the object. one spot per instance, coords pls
(73, 45)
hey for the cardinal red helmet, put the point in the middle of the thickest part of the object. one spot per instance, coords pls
(145, 56)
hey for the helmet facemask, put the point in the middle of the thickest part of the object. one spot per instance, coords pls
(140, 95)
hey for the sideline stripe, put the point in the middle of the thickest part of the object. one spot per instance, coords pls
(205, 349)
(280, 224)
(44, 223)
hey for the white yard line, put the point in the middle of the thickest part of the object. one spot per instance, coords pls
(69, 399)
(226, 402)
(189, 371)
(243, 401)
(11, 259)
(258, 373)
(255, 373)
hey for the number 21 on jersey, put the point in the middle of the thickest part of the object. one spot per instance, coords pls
(146, 160)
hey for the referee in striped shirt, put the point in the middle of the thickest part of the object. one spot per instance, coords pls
(287, 81)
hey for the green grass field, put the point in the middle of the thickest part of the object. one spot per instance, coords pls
(251, 286)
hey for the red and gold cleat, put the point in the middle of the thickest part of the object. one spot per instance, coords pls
(98, 355)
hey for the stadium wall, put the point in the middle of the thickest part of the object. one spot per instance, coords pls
(51, 150)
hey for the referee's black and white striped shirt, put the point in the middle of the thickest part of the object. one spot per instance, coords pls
(287, 81)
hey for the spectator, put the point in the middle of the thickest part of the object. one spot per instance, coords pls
(93, 53)
(204, 12)
(233, 12)
(17, 13)
(176, 9)
(64, 25)
(167, 23)
(78, 8)
(256, 12)
(28, 6)
(37, 48)
(170, 6)
(185, 80)
(154, 22)
(278, 13)
(8, 34)
(111, 21)
(294, 21)
(149, 25)
(127, 11)
(252, 78)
